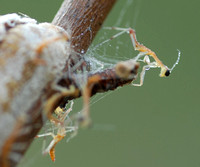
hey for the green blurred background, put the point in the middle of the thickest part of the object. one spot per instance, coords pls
(156, 125)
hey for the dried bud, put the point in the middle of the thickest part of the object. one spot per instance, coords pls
(32, 56)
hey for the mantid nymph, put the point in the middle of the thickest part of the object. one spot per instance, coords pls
(146, 52)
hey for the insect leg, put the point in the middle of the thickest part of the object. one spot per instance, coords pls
(86, 92)
(45, 134)
(62, 119)
(52, 102)
(142, 74)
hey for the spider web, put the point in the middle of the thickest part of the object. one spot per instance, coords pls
(105, 53)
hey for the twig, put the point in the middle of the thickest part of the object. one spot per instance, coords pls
(30, 69)
(83, 18)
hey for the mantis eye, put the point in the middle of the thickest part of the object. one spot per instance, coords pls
(167, 73)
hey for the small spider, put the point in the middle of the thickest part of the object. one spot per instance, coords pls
(62, 130)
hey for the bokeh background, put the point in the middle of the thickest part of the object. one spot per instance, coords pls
(156, 125)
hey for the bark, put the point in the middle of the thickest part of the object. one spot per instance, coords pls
(83, 18)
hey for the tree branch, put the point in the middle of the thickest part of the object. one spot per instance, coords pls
(83, 18)
(35, 57)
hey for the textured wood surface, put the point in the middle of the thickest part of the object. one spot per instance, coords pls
(83, 18)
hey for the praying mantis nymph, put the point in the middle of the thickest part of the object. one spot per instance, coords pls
(146, 52)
